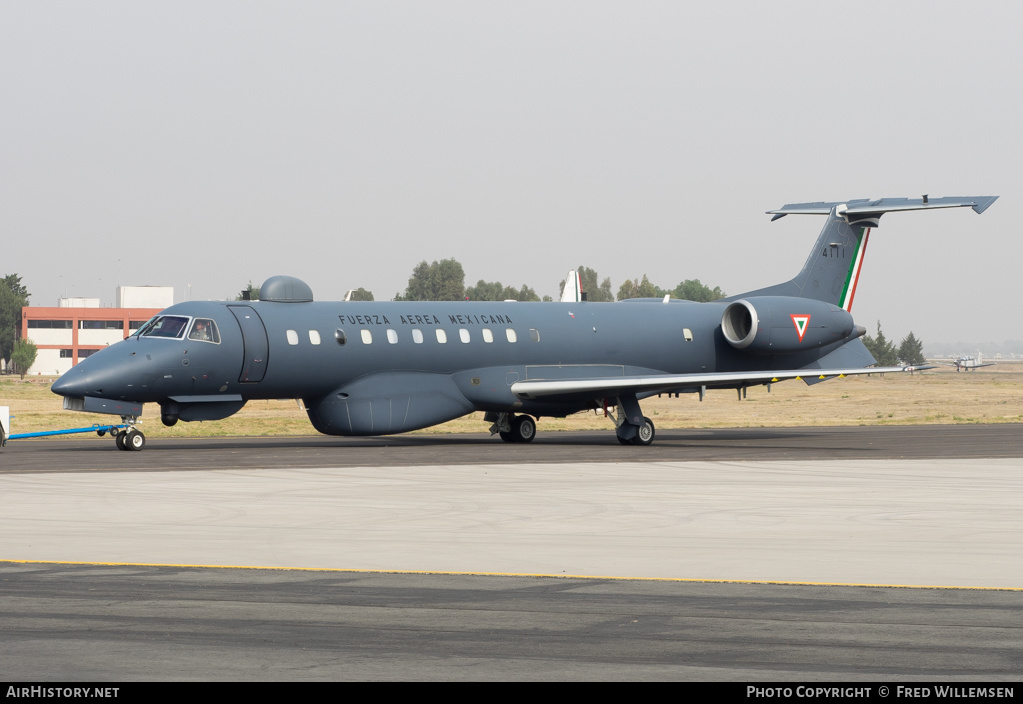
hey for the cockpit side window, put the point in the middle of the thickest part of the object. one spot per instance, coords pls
(204, 330)
(172, 326)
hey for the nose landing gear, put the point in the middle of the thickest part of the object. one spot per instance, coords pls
(512, 428)
(130, 438)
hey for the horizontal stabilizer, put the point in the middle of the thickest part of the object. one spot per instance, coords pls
(865, 207)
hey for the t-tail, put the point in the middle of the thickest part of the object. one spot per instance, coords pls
(832, 271)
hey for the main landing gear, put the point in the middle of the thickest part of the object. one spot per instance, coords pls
(512, 428)
(631, 426)
(130, 438)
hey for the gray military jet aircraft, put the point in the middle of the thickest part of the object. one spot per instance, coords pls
(379, 368)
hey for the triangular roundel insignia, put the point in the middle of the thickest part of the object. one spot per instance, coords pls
(801, 322)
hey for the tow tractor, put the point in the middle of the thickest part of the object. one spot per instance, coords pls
(125, 434)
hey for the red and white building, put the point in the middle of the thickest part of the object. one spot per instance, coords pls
(78, 327)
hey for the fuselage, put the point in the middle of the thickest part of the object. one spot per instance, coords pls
(464, 355)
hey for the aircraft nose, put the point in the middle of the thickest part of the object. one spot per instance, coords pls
(96, 376)
(71, 383)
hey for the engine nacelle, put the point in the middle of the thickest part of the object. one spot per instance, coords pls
(780, 324)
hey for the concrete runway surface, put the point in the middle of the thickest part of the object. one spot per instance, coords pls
(870, 519)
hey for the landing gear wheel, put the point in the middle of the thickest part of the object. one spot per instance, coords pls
(644, 433)
(507, 437)
(623, 441)
(523, 429)
(134, 440)
(119, 441)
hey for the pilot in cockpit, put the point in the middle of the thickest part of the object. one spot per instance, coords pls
(200, 331)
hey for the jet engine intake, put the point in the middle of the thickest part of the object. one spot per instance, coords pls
(781, 324)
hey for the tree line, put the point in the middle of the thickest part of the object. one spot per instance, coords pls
(909, 352)
(444, 280)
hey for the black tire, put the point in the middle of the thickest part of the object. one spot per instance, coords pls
(134, 440)
(623, 441)
(507, 437)
(644, 433)
(523, 429)
(119, 441)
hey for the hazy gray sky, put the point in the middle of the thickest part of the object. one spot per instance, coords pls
(210, 143)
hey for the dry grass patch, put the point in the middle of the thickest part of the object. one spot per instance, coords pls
(925, 398)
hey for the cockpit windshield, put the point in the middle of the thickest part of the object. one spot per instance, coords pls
(143, 328)
(172, 326)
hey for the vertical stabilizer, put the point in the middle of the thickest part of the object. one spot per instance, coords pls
(832, 271)
(573, 291)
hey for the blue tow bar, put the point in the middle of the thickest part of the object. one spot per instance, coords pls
(128, 438)
(70, 431)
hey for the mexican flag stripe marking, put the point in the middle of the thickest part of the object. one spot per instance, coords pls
(853, 277)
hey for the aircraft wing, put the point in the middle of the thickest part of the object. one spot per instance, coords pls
(553, 389)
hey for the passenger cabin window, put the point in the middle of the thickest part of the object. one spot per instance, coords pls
(510, 334)
(204, 330)
(340, 336)
(314, 337)
(392, 337)
(488, 335)
(534, 334)
(463, 334)
(367, 337)
(292, 337)
(442, 336)
(417, 336)
(170, 326)
(687, 334)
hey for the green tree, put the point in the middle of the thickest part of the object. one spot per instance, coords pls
(13, 297)
(485, 291)
(361, 294)
(525, 294)
(252, 291)
(440, 281)
(882, 350)
(23, 355)
(639, 289)
(693, 290)
(911, 351)
(495, 291)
